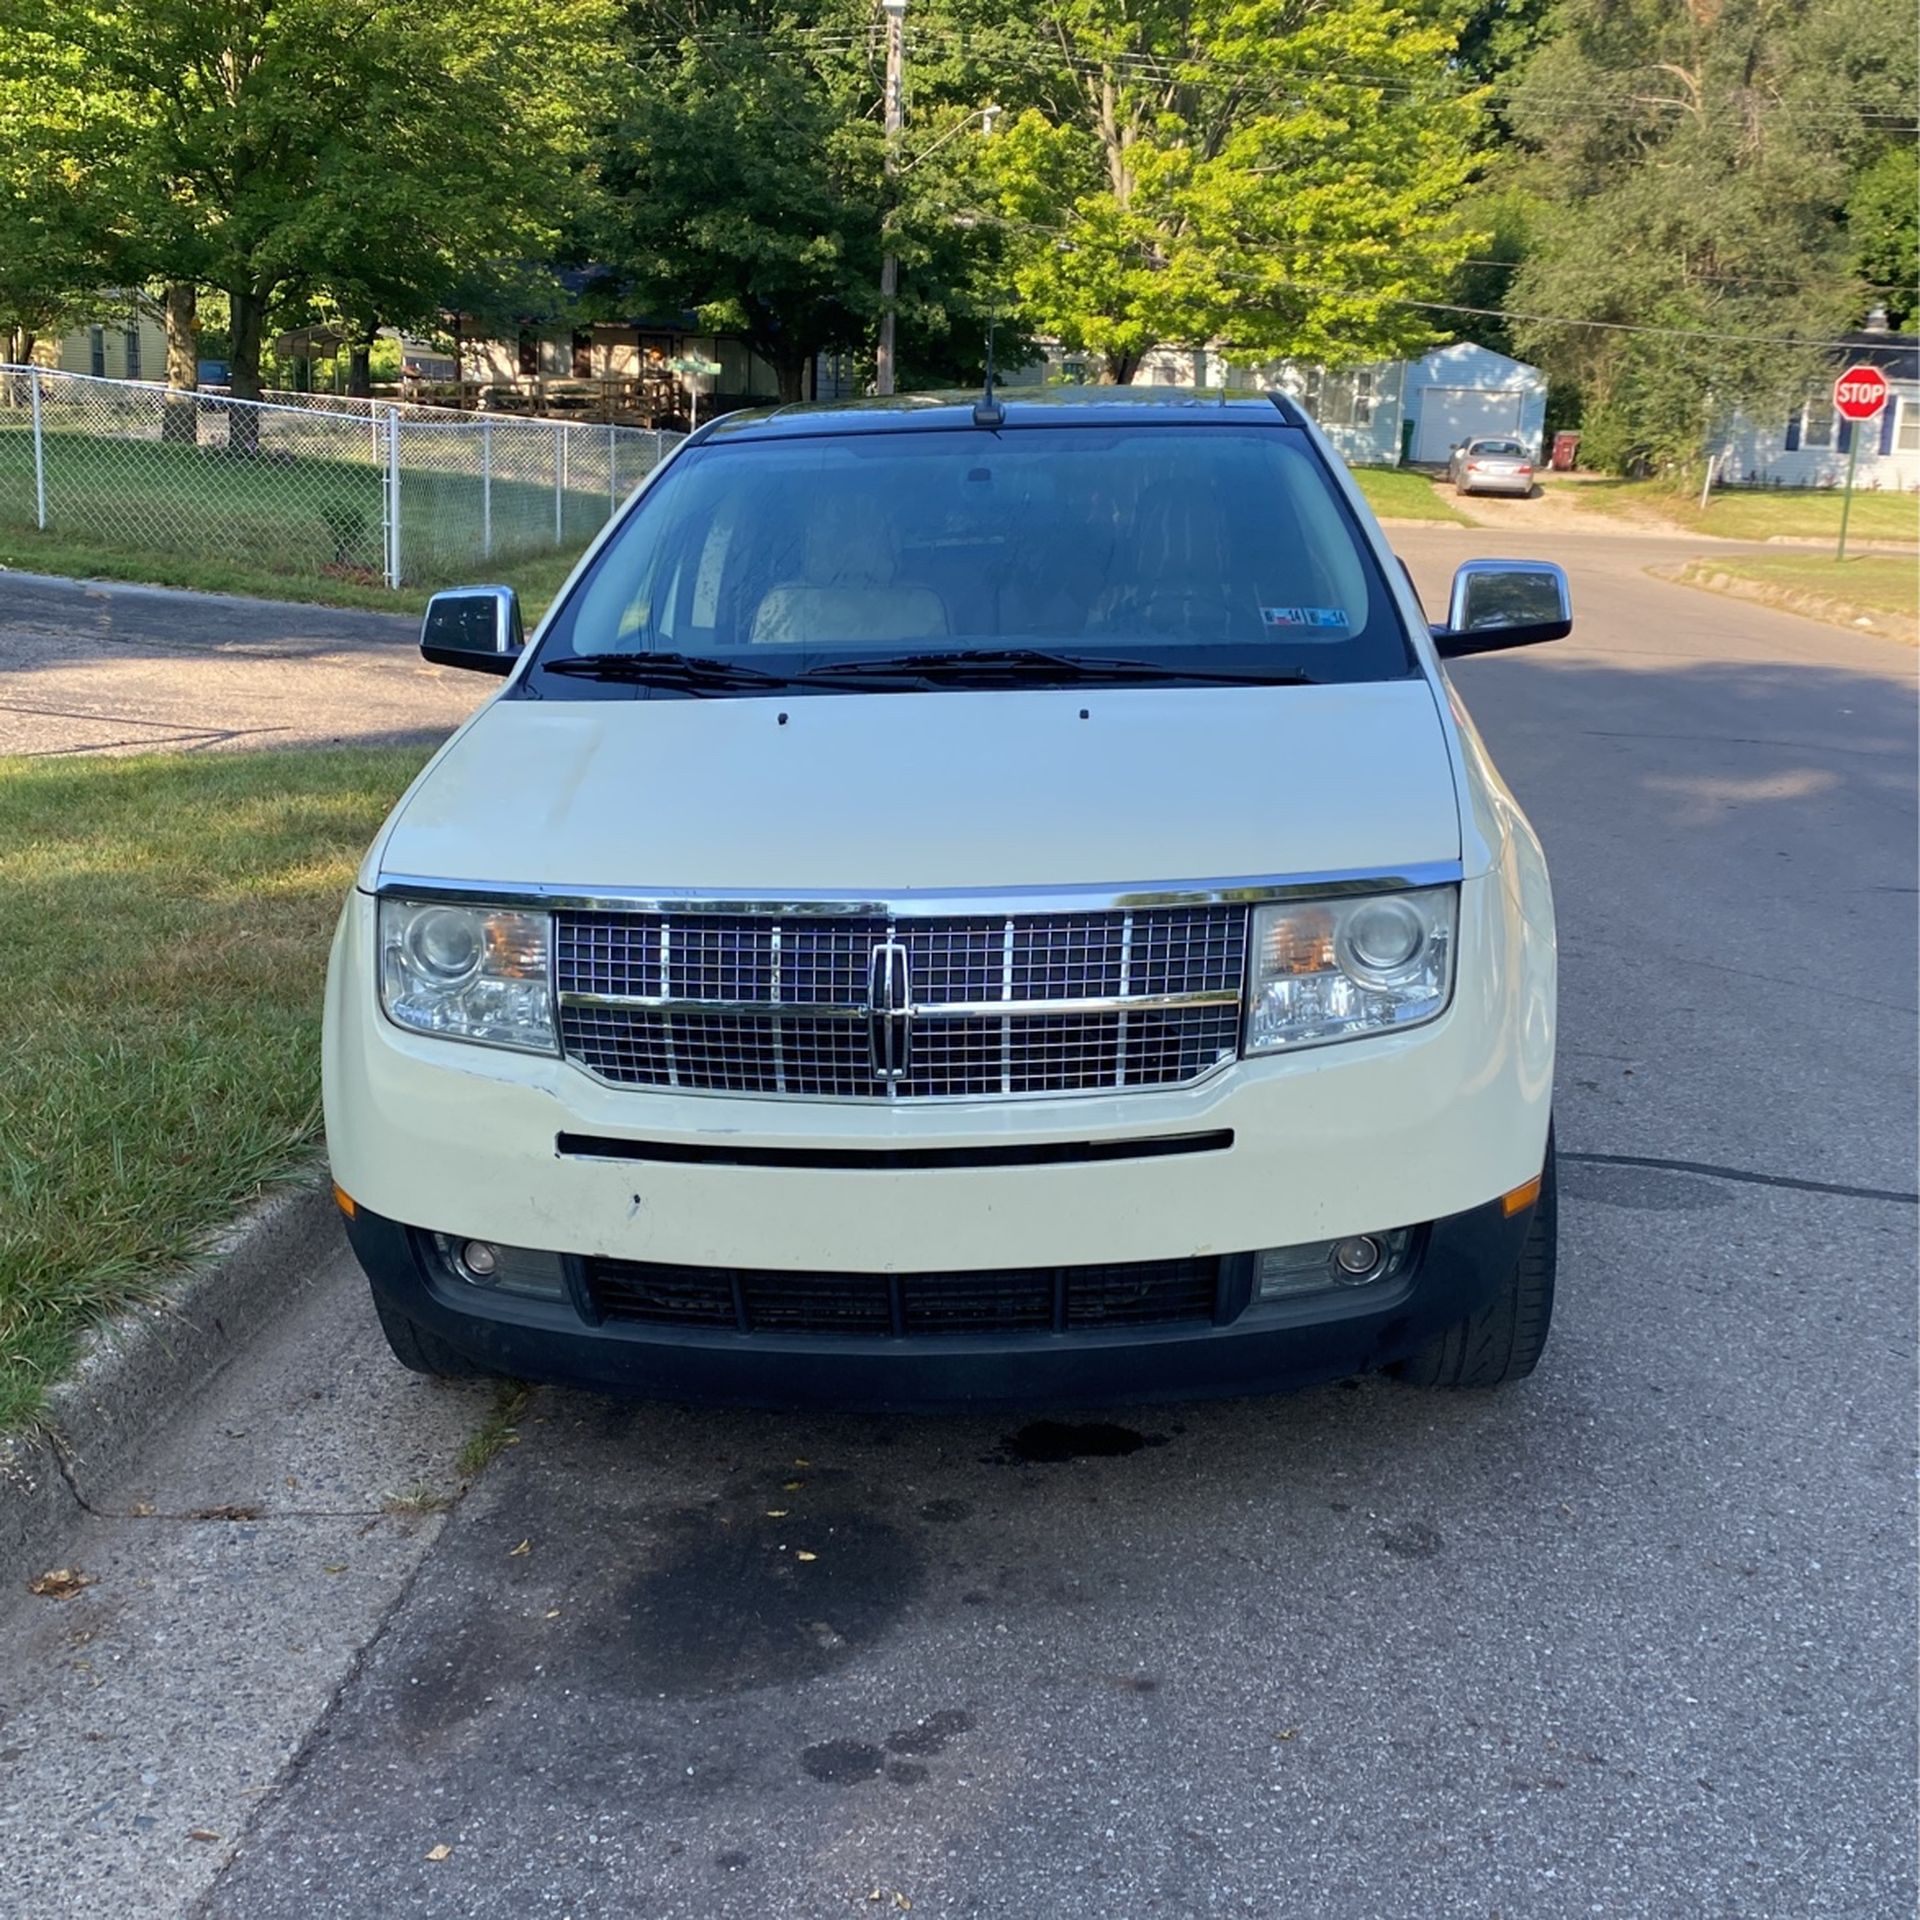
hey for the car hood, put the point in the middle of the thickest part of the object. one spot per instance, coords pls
(878, 794)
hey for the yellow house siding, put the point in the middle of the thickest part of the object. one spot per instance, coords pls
(73, 352)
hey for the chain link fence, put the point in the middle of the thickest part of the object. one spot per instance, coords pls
(313, 486)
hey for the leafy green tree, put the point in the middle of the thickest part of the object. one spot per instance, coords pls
(1883, 232)
(743, 176)
(1275, 175)
(1693, 163)
(282, 150)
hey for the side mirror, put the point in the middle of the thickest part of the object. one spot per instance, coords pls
(477, 627)
(1498, 604)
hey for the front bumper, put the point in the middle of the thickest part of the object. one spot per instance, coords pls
(1352, 1138)
(1456, 1266)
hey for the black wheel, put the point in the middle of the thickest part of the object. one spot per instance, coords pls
(1505, 1339)
(423, 1352)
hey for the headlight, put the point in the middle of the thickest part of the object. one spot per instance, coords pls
(469, 973)
(1336, 969)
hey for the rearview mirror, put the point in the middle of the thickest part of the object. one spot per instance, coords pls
(477, 627)
(1504, 603)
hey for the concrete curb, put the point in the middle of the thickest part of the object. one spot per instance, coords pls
(1862, 622)
(138, 1370)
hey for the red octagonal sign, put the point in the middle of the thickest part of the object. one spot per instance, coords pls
(1860, 393)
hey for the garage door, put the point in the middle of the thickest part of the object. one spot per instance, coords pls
(1448, 415)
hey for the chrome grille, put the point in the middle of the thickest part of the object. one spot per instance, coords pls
(999, 1005)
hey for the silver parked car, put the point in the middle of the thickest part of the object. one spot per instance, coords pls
(1491, 466)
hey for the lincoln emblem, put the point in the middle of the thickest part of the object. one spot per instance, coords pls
(889, 1010)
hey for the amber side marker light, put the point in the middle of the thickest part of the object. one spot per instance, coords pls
(344, 1200)
(1510, 1203)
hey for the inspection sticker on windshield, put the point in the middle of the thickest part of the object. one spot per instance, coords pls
(1304, 616)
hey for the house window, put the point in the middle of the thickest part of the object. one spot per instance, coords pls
(97, 351)
(583, 356)
(1341, 399)
(1817, 430)
(1907, 433)
(133, 353)
(1363, 397)
(529, 352)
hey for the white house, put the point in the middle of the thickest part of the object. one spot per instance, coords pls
(1810, 447)
(1388, 414)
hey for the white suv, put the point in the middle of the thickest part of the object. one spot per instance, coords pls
(962, 902)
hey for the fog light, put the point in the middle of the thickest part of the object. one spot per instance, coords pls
(1359, 1260)
(1356, 1258)
(485, 1263)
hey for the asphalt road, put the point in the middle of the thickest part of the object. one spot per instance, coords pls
(94, 667)
(1634, 1638)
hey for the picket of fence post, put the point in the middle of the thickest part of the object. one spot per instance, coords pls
(613, 483)
(393, 497)
(559, 483)
(486, 487)
(39, 453)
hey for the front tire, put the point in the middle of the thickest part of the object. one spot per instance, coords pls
(420, 1351)
(1505, 1339)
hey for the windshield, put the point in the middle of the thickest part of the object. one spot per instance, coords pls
(1188, 550)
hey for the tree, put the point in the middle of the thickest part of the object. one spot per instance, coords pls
(1883, 233)
(57, 239)
(1693, 162)
(280, 150)
(1275, 175)
(743, 176)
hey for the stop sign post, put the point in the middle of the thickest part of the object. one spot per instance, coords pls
(1858, 395)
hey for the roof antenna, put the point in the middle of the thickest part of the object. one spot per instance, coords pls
(987, 411)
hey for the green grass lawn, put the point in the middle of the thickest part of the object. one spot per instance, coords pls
(1754, 513)
(310, 524)
(168, 920)
(1396, 494)
(1873, 584)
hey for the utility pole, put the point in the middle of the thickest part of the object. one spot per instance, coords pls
(896, 12)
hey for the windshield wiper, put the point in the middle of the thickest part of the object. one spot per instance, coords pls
(1058, 669)
(685, 671)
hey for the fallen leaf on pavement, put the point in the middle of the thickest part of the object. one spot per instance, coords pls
(441, 1852)
(792, 1486)
(804, 1555)
(201, 1833)
(803, 1463)
(776, 1513)
(60, 1583)
(525, 1546)
(338, 1567)
(140, 1510)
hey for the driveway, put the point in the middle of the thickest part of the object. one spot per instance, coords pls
(1635, 1638)
(92, 667)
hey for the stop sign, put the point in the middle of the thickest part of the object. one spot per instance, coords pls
(1860, 393)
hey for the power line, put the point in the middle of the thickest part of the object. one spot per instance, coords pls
(1716, 279)
(1321, 290)
(1039, 54)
